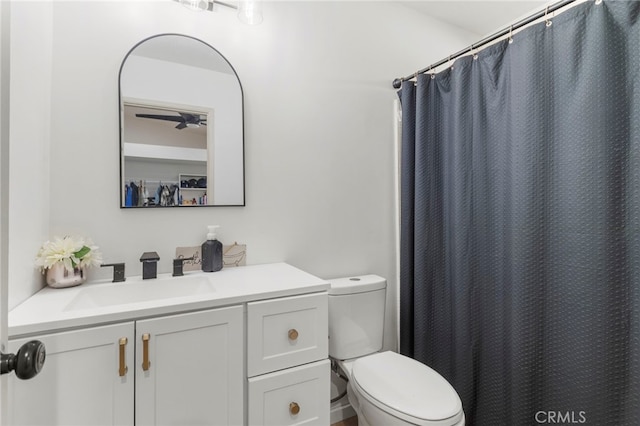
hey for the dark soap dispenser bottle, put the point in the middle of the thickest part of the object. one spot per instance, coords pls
(212, 251)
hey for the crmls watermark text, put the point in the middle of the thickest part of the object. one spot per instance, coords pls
(561, 417)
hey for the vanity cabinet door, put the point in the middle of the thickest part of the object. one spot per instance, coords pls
(87, 379)
(189, 369)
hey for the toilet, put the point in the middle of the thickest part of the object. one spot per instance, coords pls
(384, 388)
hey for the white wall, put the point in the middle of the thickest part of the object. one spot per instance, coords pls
(5, 47)
(30, 137)
(318, 133)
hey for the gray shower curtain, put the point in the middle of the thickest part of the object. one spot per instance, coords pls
(520, 223)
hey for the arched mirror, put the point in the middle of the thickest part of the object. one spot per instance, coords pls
(181, 126)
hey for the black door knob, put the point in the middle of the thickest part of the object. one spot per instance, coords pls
(27, 362)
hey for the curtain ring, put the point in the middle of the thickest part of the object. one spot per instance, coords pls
(450, 63)
(433, 74)
(546, 19)
(511, 34)
(473, 54)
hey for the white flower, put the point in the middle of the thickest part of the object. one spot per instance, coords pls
(72, 252)
(92, 258)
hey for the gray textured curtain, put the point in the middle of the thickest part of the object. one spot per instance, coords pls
(520, 229)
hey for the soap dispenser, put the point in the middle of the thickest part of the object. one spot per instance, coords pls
(212, 251)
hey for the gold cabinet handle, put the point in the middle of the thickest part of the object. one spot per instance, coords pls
(294, 408)
(293, 334)
(145, 351)
(122, 370)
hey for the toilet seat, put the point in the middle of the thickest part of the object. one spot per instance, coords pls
(406, 389)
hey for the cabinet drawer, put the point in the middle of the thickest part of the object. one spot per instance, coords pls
(295, 396)
(285, 332)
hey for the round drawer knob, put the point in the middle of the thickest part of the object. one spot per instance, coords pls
(293, 334)
(294, 408)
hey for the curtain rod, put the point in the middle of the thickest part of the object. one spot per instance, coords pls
(397, 83)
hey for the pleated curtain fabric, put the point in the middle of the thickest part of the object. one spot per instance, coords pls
(520, 222)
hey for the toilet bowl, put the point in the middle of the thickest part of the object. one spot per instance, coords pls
(384, 388)
(387, 388)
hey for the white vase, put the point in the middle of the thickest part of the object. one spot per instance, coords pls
(59, 277)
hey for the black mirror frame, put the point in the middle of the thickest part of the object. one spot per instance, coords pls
(121, 124)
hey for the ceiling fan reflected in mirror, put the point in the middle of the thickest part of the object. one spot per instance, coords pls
(184, 120)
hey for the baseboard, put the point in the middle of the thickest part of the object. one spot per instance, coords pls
(341, 410)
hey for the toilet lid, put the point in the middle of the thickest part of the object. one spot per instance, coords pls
(406, 386)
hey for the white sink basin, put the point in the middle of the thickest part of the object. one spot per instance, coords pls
(102, 295)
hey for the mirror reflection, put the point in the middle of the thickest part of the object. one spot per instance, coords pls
(181, 132)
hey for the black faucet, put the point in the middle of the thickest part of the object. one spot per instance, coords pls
(149, 261)
(178, 264)
(118, 271)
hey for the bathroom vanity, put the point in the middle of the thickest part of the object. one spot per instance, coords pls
(245, 345)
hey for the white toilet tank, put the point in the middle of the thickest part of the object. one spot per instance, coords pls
(356, 316)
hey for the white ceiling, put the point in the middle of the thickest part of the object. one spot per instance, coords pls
(478, 16)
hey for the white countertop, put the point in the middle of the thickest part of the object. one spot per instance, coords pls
(57, 309)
